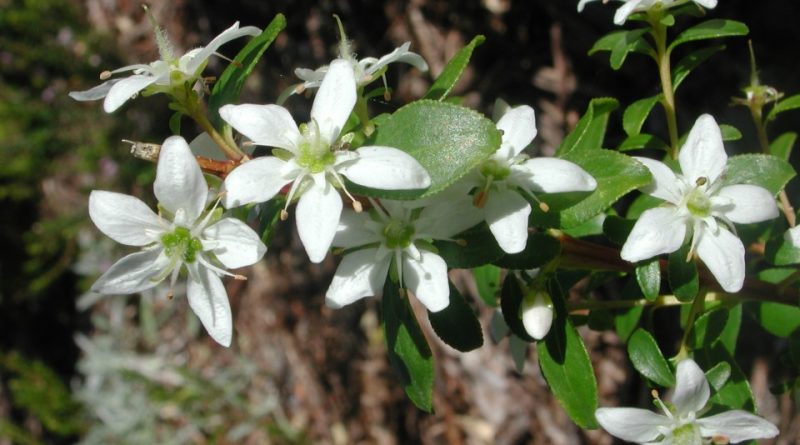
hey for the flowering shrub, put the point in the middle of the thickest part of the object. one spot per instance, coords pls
(406, 196)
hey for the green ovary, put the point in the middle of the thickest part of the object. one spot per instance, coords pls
(495, 169)
(180, 242)
(315, 153)
(398, 234)
(687, 434)
(698, 203)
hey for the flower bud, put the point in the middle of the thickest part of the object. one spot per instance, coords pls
(537, 314)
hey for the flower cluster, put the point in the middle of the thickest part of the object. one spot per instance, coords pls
(634, 6)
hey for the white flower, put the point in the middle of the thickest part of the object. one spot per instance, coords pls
(695, 200)
(500, 179)
(634, 6)
(163, 74)
(793, 236)
(537, 314)
(187, 237)
(366, 69)
(398, 234)
(306, 158)
(680, 423)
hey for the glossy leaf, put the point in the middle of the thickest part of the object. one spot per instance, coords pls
(736, 392)
(448, 140)
(782, 145)
(778, 319)
(540, 249)
(617, 229)
(511, 297)
(718, 375)
(648, 276)
(616, 175)
(643, 140)
(636, 114)
(631, 41)
(647, 358)
(730, 133)
(683, 277)
(409, 353)
(789, 103)
(487, 280)
(626, 322)
(782, 252)
(457, 325)
(452, 71)
(763, 170)
(590, 130)
(229, 85)
(472, 248)
(686, 65)
(712, 29)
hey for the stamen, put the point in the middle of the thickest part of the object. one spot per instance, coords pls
(105, 75)
(356, 205)
(544, 207)
(228, 59)
(461, 242)
(299, 89)
(218, 270)
(381, 211)
(284, 215)
(659, 403)
(289, 196)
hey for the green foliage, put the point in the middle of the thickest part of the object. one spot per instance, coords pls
(229, 86)
(781, 252)
(511, 298)
(409, 352)
(778, 319)
(620, 44)
(686, 65)
(591, 128)
(487, 280)
(789, 103)
(452, 71)
(457, 325)
(474, 247)
(683, 277)
(711, 29)
(782, 145)
(540, 249)
(648, 359)
(648, 275)
(762, 170)
(636, 114)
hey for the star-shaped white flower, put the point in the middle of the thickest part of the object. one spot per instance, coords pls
(165, 73)
(307, 159)
(634, 6)
(365, 70)
(500, 179)
(183, 234)
(681, 422)
(694, 202)
(398, 233)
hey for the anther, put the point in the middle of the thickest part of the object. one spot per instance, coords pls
(461, 242)
(105, 75)
(544, 207)
(701, 181)
(284, 215)
(720, 440)
(299, 89)
(240, 277)
(358, 207)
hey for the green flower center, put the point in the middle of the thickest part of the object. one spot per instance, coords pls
(398, 234)
(687, 434)
(181, 243)
(698, 203)
(315, 153)
(495, 169)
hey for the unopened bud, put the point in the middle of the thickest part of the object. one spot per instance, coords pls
(537, 314)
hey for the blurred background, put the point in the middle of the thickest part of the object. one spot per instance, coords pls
(79, 368)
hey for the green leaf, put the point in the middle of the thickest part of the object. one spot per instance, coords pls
(690, 62)
(568, 370)
(631, 41)
(472, 248)
(487, 280)
(648, 276)
(175, 122)
(229, 85)
(718, 375)
(452, 71)
(591, 227)
(762, 170)
(643, 140)
(616, 175)
(626, 322)
(409, 353)
(782, 252)
(647, 358)
(591, 128)
(736, 392)
(608, 42)
(617, 229)
(712, 29)
(683, 277)
(510, 301)
(790, 103)
(780, 320)
(457, 324)
(636, 114)
(782, 145)
(448, 140)
(730, 133)
(540, 249)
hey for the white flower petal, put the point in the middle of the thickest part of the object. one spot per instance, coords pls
(625, 10)
(583, 3)
(353, 231)
(318, 213)
(235, 243)
(552, 175)
(659, 230)
(234, 32)
(691, 388)
(631, 424)
(427, 279)
(359, 275)
(665, 185)
(737, 426)
(258, 180)
(386, 168)
(400, 54)
(709, 4)
(268, 125)
(179, 182)
(335, 100)
(793, 236)
(95, 93)
(445, 216)
(703, 154)
(750, 203)
(209, 301)
(723, 254)
(125, 219)
(537, 317)
(507, 215)
(132, 273)
(519, 128)
(124, 89)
